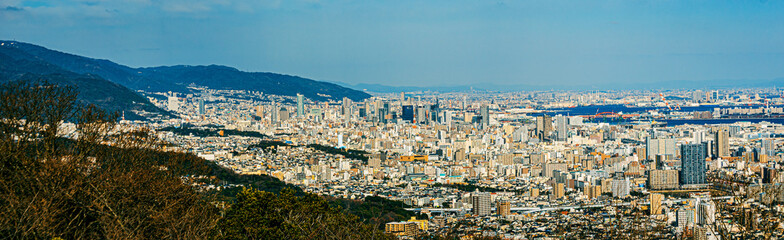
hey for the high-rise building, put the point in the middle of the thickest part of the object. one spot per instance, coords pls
(374, 162)
(480, 203)
(699, 136)
(656, 203)
(259, 111)
(421, 115)
(642, 153)
(173, 103)
(662, 146)
(634, 169)
(435, 112)
(326, 174)
(593, 191)
(710, 148)
(558, 191)
(468, 117)
(460, 155)
(273, 112)
(408, 113)
(363, 113)
(535, 158)
(662, 179)
(402, 228)
(520, 134)
(201, 106)
(768, 148)
(534, 193)
(383, 112)
(506, 159)
(770, 175)
(697, 95)
(561, 127)
(422, 225)
(544, 125)
(346, 108)
(300, 106)
(705, 233)
(620, 187)
(575, 120)
(685, 218)
(484, 111)
(504, 208)
(706, 212)
(283, 114)
(549, 168)
(692, 164)
(722, 141)
(447, 118)
(371, 113)
(316, 114)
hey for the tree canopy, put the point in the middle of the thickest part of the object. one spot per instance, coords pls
(90, 179)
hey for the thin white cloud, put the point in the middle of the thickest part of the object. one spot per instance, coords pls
(105, 8)
(185, 7)
(10, 3)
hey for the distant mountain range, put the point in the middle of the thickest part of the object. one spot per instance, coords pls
(664, 85)
(177, 78)
(16, 64)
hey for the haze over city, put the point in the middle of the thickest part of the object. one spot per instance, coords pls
(391, 120)
(423, 43)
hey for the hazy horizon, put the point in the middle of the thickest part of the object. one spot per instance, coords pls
(407, 43)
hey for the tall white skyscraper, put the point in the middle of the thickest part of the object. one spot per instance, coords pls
(201, 106)
(699, 136)
(340, 140)
(346, 107)
(300, 106)
(561, 127)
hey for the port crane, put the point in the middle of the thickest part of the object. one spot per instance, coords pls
(665, 101)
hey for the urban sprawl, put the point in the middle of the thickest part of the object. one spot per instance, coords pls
(516, 165)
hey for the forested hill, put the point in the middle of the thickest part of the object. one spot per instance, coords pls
(16, 65)
(123, 184)
(177, 78)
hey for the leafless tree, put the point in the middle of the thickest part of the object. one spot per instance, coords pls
(90, 182)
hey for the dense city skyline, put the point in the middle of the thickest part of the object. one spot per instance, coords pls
(311, 119)
(560, 43)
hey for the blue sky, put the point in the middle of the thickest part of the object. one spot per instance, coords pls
(422, 43)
